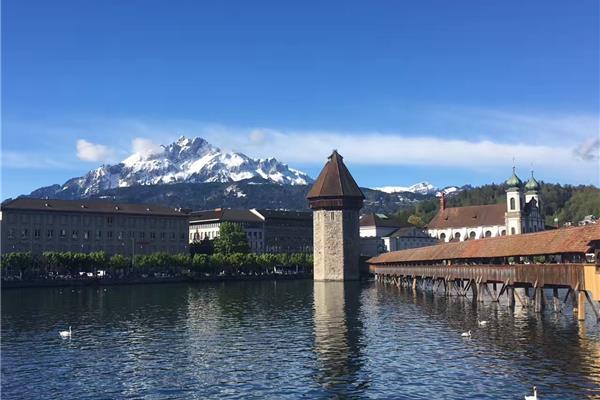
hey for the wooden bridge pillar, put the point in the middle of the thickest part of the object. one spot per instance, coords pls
(581, 305)
(414, 284)
(538, 299)
(555, 300)
(510, 292)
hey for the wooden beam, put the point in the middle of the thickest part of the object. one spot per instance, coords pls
(591, 301)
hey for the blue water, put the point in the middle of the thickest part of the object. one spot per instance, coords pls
(287, 340)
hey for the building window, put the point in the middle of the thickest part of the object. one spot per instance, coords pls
(63, 233)
(512, 203)
(152, 235)
(109, 235)
(142, 235)
(109, 220)
(24, 233)
(74, 234)
(172, 235)
(131, 234)
(11, 233)
(36, 233)
(120, 235)
(502, 233)
(457, 236)
(163, 235)
(488, 234)
(98, 234)
(86, 235)
(50, 233)
(472, 235)
(512, 231)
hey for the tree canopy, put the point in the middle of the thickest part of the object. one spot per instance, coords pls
(232, 239)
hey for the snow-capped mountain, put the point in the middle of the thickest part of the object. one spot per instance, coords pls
(421, 188)
(424, 188)
(184, 161)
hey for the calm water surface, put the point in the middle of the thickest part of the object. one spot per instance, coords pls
(286, 340)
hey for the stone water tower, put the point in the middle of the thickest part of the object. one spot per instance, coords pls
(336, 199)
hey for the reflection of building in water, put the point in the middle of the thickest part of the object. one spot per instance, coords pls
(337, 330)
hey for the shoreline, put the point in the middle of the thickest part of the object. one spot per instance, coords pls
(143, 281)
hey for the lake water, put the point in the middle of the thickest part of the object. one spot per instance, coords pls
(291, 339)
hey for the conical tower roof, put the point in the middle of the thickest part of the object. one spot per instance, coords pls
(335, 183)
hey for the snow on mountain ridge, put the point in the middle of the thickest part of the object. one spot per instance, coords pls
(185, 160)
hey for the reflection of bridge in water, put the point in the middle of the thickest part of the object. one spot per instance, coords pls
(487, 267)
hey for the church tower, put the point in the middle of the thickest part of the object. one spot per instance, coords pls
(514, 205)
(532, 188)
(336, 199)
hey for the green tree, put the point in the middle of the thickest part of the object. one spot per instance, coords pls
(118, 262)
(416, 220)
(232, 239)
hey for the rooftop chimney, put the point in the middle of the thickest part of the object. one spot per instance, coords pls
(443, 201)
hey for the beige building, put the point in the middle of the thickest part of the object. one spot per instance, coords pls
(268, 231)
(40, 225)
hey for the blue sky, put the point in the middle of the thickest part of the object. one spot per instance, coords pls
(447, 92)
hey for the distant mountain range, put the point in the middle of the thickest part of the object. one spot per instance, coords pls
(194, 174)
(424, 188)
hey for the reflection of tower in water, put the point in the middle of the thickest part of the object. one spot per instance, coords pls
(338, 331)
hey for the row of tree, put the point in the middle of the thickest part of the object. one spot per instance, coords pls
(71, 265)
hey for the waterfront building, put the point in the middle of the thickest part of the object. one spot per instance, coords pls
(520, 214)
(40, 225)
(268, 231)
(378, 225)
(380, 233)
(336, 200)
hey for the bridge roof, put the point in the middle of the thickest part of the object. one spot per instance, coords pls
(557, 241)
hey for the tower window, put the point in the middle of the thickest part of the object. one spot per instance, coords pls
(512, 203)
(512, 231)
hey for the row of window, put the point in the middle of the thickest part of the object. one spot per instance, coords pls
(96, 220)
(86, 235)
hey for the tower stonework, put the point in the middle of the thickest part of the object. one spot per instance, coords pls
(336, 200)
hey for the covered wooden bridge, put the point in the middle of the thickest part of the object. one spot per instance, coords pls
(562, 258)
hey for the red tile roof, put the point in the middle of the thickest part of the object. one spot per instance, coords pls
(469, 216)
(559, 241)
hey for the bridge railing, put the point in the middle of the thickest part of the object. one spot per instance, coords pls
(540, 275)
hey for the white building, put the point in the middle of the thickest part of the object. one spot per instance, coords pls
(380, 233)
(519, 214)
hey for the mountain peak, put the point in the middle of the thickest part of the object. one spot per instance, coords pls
(187, 160)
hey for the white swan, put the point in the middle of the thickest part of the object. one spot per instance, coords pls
(482, 323)
(534, 397)
(65, 334)
(466, 334)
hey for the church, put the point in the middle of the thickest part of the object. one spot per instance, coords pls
(520, 214)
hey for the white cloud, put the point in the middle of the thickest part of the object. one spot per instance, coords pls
(588, 150)
(88, 151)
(144, 146)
